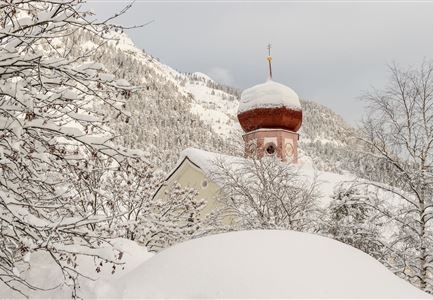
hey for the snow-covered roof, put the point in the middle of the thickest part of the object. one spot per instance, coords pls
(263, 264)
(270, 94)
(205, 160)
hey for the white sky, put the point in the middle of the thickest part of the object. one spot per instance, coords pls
(328, 52)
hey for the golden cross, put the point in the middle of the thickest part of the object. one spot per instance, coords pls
(269, 61)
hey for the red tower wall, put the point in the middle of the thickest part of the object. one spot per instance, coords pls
(260, 141)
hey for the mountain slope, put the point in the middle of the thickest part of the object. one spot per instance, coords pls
(161, 121)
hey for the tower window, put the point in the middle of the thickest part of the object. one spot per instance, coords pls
(270, 148)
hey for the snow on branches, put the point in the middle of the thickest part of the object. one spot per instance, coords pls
(353, 219)
(266, 194)
(399, 133)
(53, 134)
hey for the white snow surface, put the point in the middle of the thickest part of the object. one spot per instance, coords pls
(270, 94)
(265, 263)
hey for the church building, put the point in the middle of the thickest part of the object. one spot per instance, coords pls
(270, 115)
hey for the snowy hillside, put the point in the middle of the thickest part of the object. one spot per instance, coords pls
(214, 106)
(263, 264)
(161, 118)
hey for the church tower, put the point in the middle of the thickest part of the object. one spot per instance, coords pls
(270, 115)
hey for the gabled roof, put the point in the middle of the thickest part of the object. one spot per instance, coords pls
(201, 159)
(206, 160)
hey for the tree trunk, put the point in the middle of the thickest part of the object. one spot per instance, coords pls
(423, 249)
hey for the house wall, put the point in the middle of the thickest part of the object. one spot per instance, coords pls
(189, 175)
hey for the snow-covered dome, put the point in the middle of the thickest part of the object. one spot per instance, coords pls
(270, 105)
(270, 94)
(263, 264)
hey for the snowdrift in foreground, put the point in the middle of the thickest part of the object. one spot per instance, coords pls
(269, 264)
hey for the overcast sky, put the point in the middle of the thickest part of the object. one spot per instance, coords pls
(327, 52)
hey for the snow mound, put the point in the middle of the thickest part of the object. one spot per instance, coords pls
(256, 264)
(270, 94)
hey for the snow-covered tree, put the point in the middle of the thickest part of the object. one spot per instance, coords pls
(353, 219)
(266, 193)
(53, 135)
(117, 194)
(399, 133)
(127, 199)
(172, 219)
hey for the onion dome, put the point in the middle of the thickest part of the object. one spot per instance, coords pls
(270, 105)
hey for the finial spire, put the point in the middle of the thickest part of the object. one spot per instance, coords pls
(269, 58)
